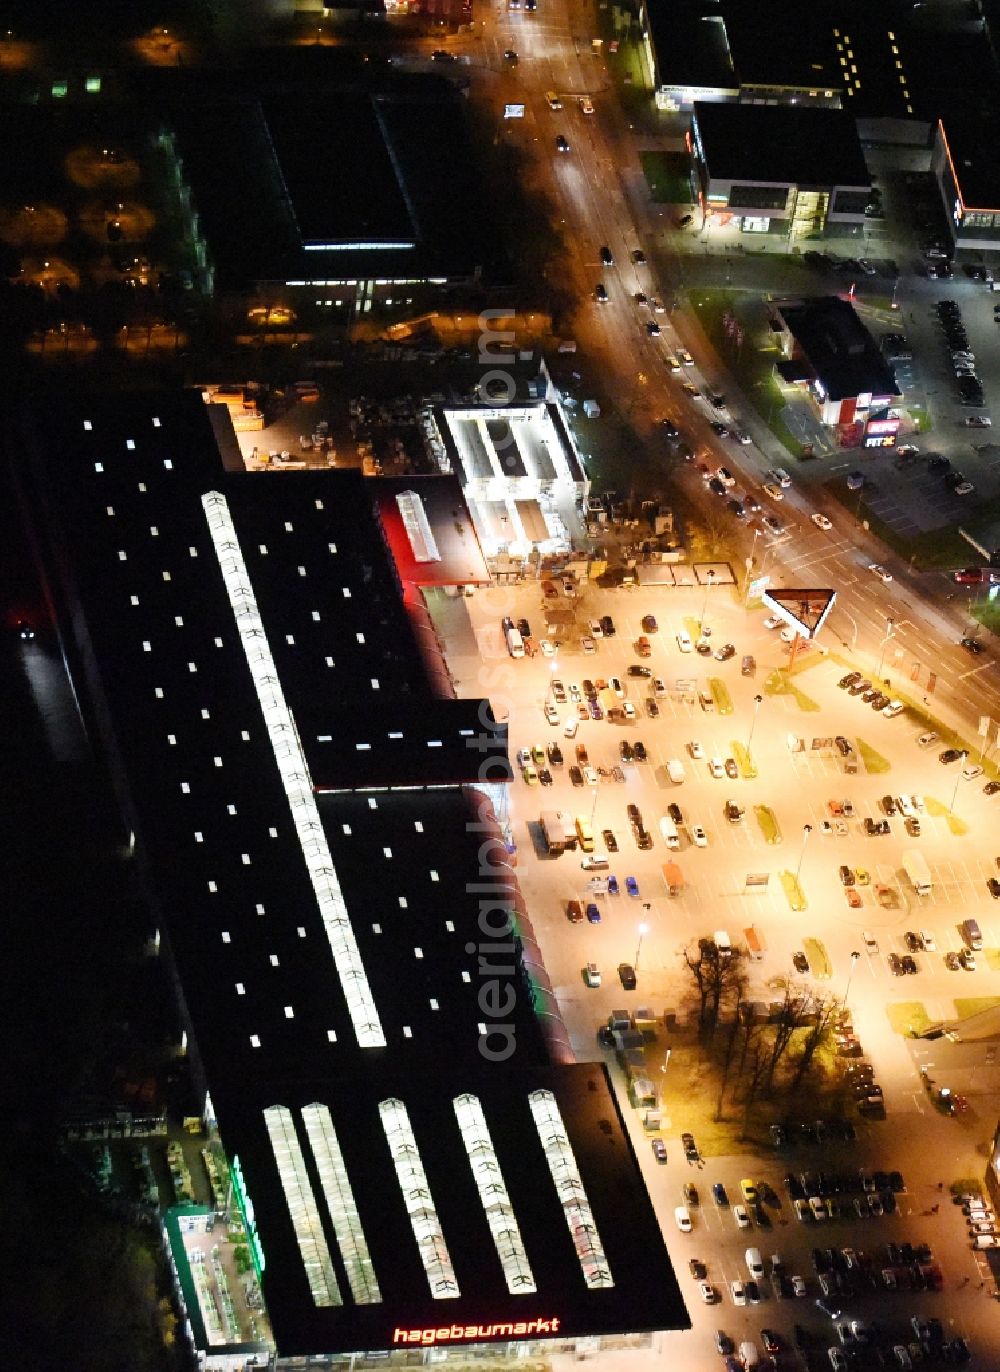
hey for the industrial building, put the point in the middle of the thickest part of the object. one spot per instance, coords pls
(414, 1161)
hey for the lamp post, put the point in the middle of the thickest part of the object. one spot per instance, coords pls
(757, 702)
(593, 808)
(709, 583)
(854, 962)
(954, 794)
(643, 931)
(806, 831)
(749, 567)
(889, 626)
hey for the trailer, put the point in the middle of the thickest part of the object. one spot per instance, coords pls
(558, 829)
(756, 946)
(674, 878)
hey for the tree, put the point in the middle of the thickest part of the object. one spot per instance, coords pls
(718, 979)
(818, 1034)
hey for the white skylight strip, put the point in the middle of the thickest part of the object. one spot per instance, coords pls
(418, 527)
(494, 1195)
(390, 245)
(302, 1207)
(569, 1188)
(294, 773)
(341, 1204)
(418, 1201)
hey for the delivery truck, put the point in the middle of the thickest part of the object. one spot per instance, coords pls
(915, 867)
(558, 829)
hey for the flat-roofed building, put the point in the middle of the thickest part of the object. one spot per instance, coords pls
(830, 354)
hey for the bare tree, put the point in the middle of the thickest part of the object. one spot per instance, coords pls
(719, 978)
(819, 1033)
(797, 1009)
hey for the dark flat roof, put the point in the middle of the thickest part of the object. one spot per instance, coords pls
(461, 557)
(842, 352)
(691, 49)
(771, 48)
(781, 144)
(215, 621)
(970, 144)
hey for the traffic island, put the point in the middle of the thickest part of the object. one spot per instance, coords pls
(819, 959)
(779, 683)
(746, 764)
(720, 694)
(793, 891)
(907, 1017)
(938, 810)
(768, 822)
(874, 762)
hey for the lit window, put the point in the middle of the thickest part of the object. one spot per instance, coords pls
(363, 747)
(434, 875)
(433, 1003)
(272, 832)
(263, 549)
(395, 733)
(212, 887)
(179, 621)
(98, 466)
(316, 616)
(193, 552)
(204, 713)
(331, 1036)
(167, 576)
(332, 547)
(301, 931)
(231, 808)
(199, 837)
(217, 761)
(133, 600)
(218, 641)
(241, 990)
(290, 639)
(156, 423)
(376, 928)
(254, 1040)
(302, 571)
(403, 903)
(407, 1032)
(274, 960)
(418, 824)
(88, 426)
(226, 936)
(245, 859)
(375, 685)
(259, 908)
(372, 803)
(141, 487)
(418, 953)
(387, 852)
(122, 555)
(110, 510)
(449, 924)
(289, 1012)
(192, 666)
(360, 637)
(466, 976)
(481, 1029)
(245, 735)
(130, 444)
(158, 692)
(347, 592)
(434, 743)
(346, 828)
(328, 661)
(168, 464)
(172, 740)
(319, 504)
(154, 531)
(288, 527)
(185, 788)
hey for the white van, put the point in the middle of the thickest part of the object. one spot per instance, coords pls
(748, 1353)
(723, 943)
(668, 830)
(755, 1264)
(515, 643)
(675, 771)
(570, 727)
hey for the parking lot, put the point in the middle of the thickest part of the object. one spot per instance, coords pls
(801, 785)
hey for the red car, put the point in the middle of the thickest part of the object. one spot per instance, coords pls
(971, 576)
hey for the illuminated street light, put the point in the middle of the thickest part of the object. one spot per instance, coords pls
(710, 582)
(806, 831)
(854, 962)
(757, 702)
(643, 931)
(954, 795)
(593, 808)
(890, 625)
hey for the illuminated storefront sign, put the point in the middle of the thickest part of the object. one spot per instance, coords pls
(245, 1205)
(476, 1333)
(881, 433)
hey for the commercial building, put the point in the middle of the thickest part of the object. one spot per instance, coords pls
(411, 1159)
(966, 176)
(800, 172)
(831, 356)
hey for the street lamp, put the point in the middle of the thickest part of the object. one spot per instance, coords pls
(889, 626)
(593, 808)
(854, 962)
(806, 831)
(749, 567)
(553, 668)
(954, 795)
(643, 931)
(757, 702)
(709, 583)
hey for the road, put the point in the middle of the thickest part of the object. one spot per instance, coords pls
(598, 191)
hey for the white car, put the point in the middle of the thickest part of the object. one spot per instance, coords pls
(925, 740)
(591, 776)
(894, 708)
(551, 714)
(524, 757)
(970, 773)
(821, 522)
(817, 1207)
(628, 710)
(741, 1217)
(724, 475)
(878, 570)
(906, 807)
(586, 105)
(798, 1286)
(696, 750)
(617, 687)
(595, 629)
(698, 836)
(683, 1218)
(588, 645)
(738, 1294)
(708, 1292)
(684, 642)
(659, 686)
(779, 475)
(742, 437)
(772, 622)
(547, 646)
(772, 489)
(716, 768)
(928, 940)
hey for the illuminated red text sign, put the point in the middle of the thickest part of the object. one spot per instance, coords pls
(475, 1333)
